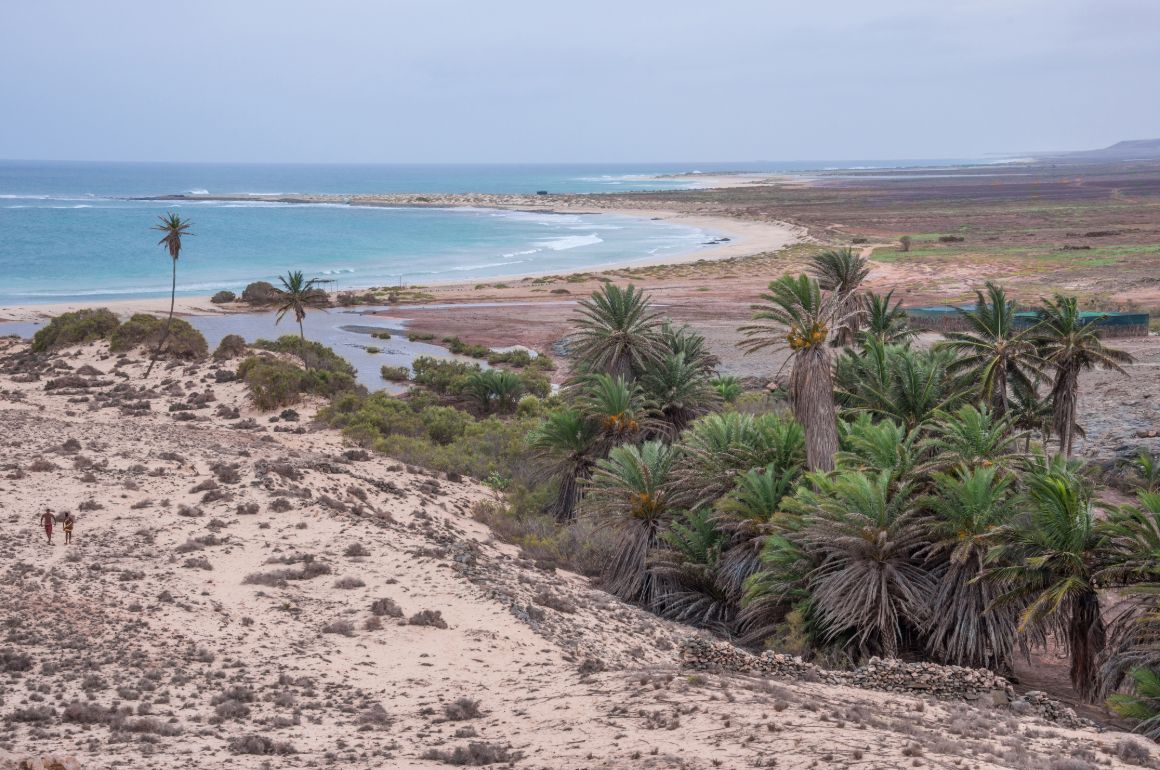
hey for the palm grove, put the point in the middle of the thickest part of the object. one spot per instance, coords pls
(915, 501)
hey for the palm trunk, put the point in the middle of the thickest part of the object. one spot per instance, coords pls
(168, 322)
(1063, 396)
(812, 391)
(1086, 637)
(999, 397)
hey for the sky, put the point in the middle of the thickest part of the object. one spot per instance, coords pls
(542, 81)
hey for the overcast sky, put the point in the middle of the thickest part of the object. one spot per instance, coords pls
(553, 81)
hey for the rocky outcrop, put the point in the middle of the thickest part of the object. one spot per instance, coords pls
(884, 674)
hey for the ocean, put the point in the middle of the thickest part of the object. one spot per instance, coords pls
(68, 231)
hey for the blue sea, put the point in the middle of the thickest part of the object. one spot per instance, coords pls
(69, 231)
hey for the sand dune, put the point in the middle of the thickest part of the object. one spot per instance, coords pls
(246, 591)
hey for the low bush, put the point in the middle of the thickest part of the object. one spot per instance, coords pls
(231, 346)
(260, 293)
(444, 424)
(395, 373)
(276, 384)
(441, 375)
(143, 330)
(420, 336)
(260, 744)
(461, 348)
(75, 328)
(223, 297)
(314, 355)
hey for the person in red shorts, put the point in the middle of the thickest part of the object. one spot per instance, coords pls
(48, 520)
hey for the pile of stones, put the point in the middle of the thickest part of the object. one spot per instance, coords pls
(884, 674)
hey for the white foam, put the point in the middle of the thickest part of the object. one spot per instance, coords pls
(519, 253)
(571, 242)
(198, 191)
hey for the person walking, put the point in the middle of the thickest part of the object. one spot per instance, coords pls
(47, 519)
(68, 527)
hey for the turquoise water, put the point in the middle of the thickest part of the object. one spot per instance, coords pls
(68, 231)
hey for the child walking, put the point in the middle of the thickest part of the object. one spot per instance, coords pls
(68, 527)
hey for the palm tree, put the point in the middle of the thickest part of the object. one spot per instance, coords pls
(966, 630)
(565, 448)
(718, 448)
(497, 388)
(841, 271)
(1071, 345)
(879, 447)
(1144, 705)
(1146, 468)
(869, 584)
(174, 228)
(1131, 563)
(798, 314)
(296, 295)
(727, 386)
(885, 322)
(682, 339)
(617, 405)
(971, 437)
(629, 494)
(618, 332)
(1053, 556)
(745, 516)
(993, 353)
(688, 559)
(679, 390)
(897, 382)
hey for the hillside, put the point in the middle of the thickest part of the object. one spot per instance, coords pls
(245, 591)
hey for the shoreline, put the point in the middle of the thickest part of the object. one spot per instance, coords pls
(746, 237)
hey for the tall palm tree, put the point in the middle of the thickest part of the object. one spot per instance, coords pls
(618, 332)
(993, 352)
(841, 271)
(969, 506)
(795, 312)
(885, 322)
(297, 295)
(174, 229)
(1052, 555)
(565, 449)
(629, 493)
(1071, 345)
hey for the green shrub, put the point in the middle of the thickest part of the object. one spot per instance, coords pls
(441, 375)
(530, 406)
(395, 373)
(371, 349)
(275, 384)
(75, 328)
(144, 330)
(381, 335)
(420, 336)
(222, 297)
(231, 346)
(444, 424)
(535, 384)
(260, 293)
(461, 348)
(314, 355)
(517, 358)
(486, 447)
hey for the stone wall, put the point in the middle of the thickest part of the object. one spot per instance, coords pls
(884, 674)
